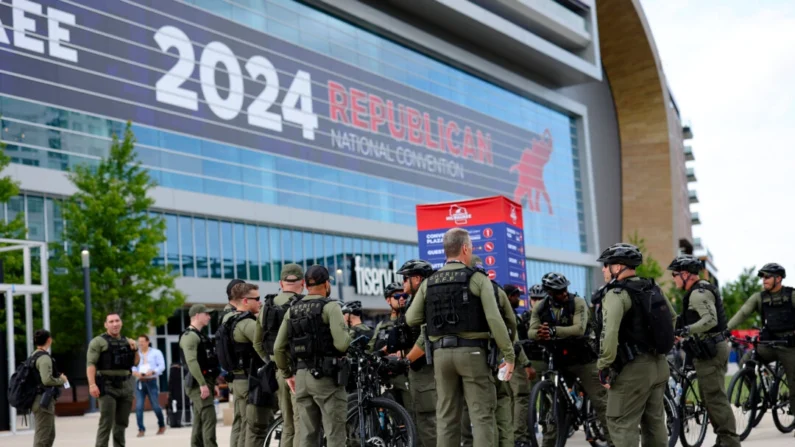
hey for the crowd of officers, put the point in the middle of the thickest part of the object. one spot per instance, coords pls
(471, 367)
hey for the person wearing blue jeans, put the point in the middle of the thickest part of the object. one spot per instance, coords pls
(148, 370)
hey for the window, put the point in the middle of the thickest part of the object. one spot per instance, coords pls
(328, 253)
(287, 247)
(214, 236)
(253, 253)
(298, 249)
(264, 253)
(309, 249)
(172, 244)
(36, 218)
(200, 236)
(54, 219)
(186, 243)
(227, 246)
(240, 252)
(277, 255)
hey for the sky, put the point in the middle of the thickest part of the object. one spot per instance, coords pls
(730, 66)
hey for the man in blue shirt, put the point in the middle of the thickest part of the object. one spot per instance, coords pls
(148, 370)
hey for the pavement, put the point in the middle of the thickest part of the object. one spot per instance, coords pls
(80, 431)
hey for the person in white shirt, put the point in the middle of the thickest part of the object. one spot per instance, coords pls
(148, 371)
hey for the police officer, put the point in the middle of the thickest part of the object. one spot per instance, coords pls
(255, 415)
(461, 312)
(704, 320)
(109, 361)
(201, 362)
(352, 311)
(560, 316)
(49, 382)
(310, 353)
(237, 422)
(269, 321)
(422, 383)
(635, 395)
(387, 340)
(527, 377)
(776, 304)
(504, 414)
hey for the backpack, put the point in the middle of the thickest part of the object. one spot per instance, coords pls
(25, 383)
(654, 312)
(225, 347)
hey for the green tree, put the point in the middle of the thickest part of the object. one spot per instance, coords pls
(110, 216)
(650, 267)
(735, 293)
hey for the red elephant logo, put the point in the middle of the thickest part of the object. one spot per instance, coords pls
(530, 168)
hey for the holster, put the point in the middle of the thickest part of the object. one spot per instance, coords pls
(626, 354)
(428, 350)
(258, 396)
(493, 357)
(100, 381)
(343, 371)
(189, 380)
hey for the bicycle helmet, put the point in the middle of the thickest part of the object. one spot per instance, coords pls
(416, 267)
(555, 282)
(352, 307)
(686, 263)
(772, 269)
(537, 291)
(624, 254)
(392, 288)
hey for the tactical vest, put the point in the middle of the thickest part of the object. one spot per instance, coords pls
(450, 307)
(272, 318)
(546, 315)
(691, 316)
(118, 356)
(633, 330)
(778, 315)
(205, 354)
(310, 338)
(384, 332)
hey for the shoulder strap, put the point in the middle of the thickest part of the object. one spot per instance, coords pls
(36, 356)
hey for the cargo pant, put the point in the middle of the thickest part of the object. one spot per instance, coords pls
(589, 379)
(115, 405)
(522, 386)
(255, 419)
(635, 399)
(321, 404)
(462, 375)
(422, 385)
(44, 418)
(240, 392)
(711, 374)
(290, 416)
(504, 434)
(204, 418)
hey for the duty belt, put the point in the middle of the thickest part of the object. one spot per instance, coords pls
(451, 341)
(717, 338)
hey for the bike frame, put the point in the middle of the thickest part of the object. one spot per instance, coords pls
(762, 372)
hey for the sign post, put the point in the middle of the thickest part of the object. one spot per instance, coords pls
(497, 231)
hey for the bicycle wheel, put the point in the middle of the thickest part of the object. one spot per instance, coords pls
(761, 402)
(671, 420)
(692, 415)
(387, 424)
(541, 419)
(273, 437)
(742, 397)
(782, 413)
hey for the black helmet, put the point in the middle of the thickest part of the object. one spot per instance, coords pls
(511, 289)
(554, 281)
(352, 307)
(624, 254)
(686, 263)
(772, 269)
(414, 267)
(392, 288)
(537, 291)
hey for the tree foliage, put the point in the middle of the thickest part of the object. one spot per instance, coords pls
(109, 215)
(735, 293)
(650, 267)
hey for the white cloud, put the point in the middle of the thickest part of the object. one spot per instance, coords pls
(729, 64)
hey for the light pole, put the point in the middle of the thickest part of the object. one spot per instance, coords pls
(84, 254)
(339, 285)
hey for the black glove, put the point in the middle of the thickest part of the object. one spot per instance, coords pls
(605, 376)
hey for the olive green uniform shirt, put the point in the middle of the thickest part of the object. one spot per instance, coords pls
(279, 300)
(189, 343)
(579, 319)
(44, 365)
(332, 315)
(754, 304)
(479, 285)
(703, 302)
(97, 346)
(615, 305)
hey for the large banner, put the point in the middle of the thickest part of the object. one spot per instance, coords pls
(171, 65)
(496, 228)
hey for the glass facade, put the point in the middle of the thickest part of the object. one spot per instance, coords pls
(58, 138)
(194, 247)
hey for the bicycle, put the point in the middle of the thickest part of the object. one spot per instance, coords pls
(556, 401)
(376, 421)
(756, 387)
(692, 411)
